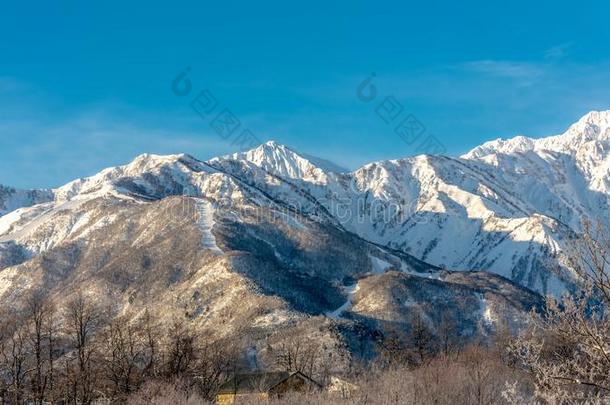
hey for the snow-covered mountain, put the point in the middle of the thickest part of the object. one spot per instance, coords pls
(12, 199)
(293, 236)
(508, 207)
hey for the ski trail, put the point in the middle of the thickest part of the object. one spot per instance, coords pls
(205, 221)
(350, 291)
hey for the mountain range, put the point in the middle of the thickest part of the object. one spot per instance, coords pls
(270, 241)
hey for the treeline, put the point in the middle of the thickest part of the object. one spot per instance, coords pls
(473, 374)
(77, 354)
(80, 354)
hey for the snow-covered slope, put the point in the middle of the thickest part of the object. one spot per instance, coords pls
(12, 199)
(594, 126)
(566, 176)
(282, 161)
(508, 207)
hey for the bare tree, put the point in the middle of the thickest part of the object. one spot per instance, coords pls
(4, 333)
(421, 337)
(568, 348)
(41, 337)
(14, 356)
(81, 319)
(51, 326)
(214, 359)
(483, 367)
(152, 337)
(121, 351)
(447, 333)
(393, 350)
(296, 353)
(181, 344)
(157, 392)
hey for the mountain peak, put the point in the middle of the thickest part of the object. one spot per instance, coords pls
(283, 161)
(321, 163)
(593, 126)
(274, 144)
(153, 159)
(596, 117)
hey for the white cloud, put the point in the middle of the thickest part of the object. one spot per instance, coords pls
(523, 72)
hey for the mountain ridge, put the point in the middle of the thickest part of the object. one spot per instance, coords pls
(509, 222)
(589, 127)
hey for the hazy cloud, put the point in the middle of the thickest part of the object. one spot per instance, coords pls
(49, 155)
(559, 51)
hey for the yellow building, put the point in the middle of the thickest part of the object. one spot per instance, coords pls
(261, 386)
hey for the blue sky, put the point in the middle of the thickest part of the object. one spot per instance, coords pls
(87, 86)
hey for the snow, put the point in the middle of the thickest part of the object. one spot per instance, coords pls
(593, 126)
(274, 318)
(12, 199)
(205, 221)
(290, 219)
(282, 161)
(503, 207)
(487, 312)
(38, 219)
(9, 220)
(379, 266)
(350, 291)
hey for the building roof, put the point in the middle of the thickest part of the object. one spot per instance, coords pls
(253, 382)
(258, 382)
